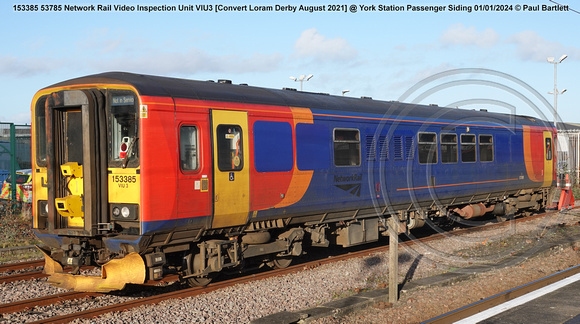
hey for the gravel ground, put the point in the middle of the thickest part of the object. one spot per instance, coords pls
(309, 288)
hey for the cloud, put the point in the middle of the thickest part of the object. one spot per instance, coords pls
(191, 62)
(459, 34)
(531, 46)
(311, 44)
(25, 67)
(102, 41)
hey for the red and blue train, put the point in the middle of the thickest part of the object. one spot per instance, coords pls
(149, 175)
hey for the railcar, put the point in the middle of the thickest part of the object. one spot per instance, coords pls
(149, 175)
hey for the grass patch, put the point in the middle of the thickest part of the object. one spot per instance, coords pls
(16, 225)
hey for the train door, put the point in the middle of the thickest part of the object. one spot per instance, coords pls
(194, 164)
(548, 159)
(74, 157)
(231, 162)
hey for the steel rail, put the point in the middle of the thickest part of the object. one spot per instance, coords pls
(22, 305)
(22, 276)
(21, 265)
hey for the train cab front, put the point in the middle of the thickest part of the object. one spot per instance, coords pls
(87, 185)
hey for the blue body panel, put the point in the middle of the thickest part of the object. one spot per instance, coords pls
(390, 174)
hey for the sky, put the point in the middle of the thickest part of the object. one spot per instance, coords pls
(465, 58)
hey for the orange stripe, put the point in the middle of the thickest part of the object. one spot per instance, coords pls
(457, 184)
(300, 179)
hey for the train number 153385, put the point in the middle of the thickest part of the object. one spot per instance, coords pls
(124, 179)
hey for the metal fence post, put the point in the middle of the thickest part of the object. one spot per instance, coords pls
(393, 227)
(13, 161)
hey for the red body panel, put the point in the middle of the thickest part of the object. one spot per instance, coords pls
(158, 143)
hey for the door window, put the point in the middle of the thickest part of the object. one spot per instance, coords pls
(548, 149)
(230, 150)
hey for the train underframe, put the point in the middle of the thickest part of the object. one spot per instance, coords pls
(199, 259)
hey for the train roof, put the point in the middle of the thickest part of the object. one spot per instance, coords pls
(225, 91)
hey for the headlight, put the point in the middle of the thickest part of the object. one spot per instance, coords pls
(124, 212)
(43, 208)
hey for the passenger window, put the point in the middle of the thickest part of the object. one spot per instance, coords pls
(230, 148)
(468, 153)
(273, 146)
(427, 148)
(188, 144)
(548, 149)
(485, 148)
(346, 147)
(448, 148)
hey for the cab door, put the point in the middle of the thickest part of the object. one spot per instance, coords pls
(194, 174)
(231, 162)
(75, 162)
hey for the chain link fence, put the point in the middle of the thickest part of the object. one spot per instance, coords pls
(15, 154)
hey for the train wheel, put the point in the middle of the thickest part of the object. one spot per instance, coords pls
(281, 262)
(504, 218)
(199, 282)
(191, 261)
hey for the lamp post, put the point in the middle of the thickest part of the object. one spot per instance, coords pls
(556, 92)
(302, 78)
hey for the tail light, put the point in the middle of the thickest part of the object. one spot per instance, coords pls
(124, 147)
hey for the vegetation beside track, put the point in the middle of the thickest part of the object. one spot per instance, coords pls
(15, 231)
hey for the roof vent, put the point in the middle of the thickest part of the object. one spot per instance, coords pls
(222, 81)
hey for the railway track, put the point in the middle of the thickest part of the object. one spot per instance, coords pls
(190, 292)
(21, 265)
(503, 297)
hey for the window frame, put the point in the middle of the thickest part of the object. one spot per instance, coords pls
(40, 131)
(220, 156)
(432, 145)
(356, 142)
(548, 148)
(455, 144)
(474, 144)
(480, 146)
(181, 148)
(114, 131)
